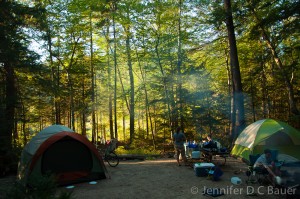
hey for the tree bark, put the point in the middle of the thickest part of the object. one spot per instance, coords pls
(238, 98)
(115, 66)
(55, 78)
(148, 116)
(131, 78)
(94, 136)
(179, 63)
(110, 90)
(7, 127)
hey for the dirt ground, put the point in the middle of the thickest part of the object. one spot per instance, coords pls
(162, 178)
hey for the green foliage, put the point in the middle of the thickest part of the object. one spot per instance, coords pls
(79, 45)
(138, 151)
(139, 147)
(37, 188)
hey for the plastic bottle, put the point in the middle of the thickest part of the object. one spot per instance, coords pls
(236, 180)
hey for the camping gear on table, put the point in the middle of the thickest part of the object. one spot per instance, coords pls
(190, 148)
(202, 169)
(196, 154)
(267, 133)
(58, 150)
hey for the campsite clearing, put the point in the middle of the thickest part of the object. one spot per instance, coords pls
(162, 178)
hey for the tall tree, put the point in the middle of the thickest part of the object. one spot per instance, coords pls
(179, 66)
(109, 80)
(114, 12)
(158, 10)
(127, 29)
(238, 115)
(282, 13)
(92, 71)
(14, 54)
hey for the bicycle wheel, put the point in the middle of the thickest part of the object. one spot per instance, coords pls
(112, 159)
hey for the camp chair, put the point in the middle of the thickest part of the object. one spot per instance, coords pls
(112, 145)
(255, 174)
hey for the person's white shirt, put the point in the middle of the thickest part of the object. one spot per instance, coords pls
(262, 160)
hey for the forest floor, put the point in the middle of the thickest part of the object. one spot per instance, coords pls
(162, 178)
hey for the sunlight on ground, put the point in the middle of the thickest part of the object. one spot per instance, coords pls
(230, 162)
(158, 161)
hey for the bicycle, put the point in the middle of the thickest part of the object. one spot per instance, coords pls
(109, 154)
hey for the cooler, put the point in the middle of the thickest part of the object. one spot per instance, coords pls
(196, 154)
(202, 169)
(193, 147)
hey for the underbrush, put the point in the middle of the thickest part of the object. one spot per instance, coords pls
(144, 147)
(138, 151)
(139, 147)
(41, 187)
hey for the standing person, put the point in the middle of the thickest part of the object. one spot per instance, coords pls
(179, 139)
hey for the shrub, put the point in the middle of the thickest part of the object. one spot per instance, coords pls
(38, 187)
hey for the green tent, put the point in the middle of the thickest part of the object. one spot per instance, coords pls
(267, 133)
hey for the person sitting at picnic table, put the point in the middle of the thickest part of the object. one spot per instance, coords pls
(209, 143)
(266, 165)
(208, 147)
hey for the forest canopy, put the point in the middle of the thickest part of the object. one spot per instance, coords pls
(137, 69)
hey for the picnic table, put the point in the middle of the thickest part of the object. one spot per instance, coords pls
(209, 153)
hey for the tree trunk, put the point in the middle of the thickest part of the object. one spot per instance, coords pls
(179, 63)
(94, 136)
(279, 64)
(55, 79)
(252, 98)
(110, 90)
(230, 98)
(84, 107)
(115, 66)
(131, 78)
(238, 98)
(148, 116)
(157, 44)
(7, 126)
(265, 98)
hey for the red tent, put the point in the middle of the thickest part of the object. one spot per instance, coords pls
(71, 157)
